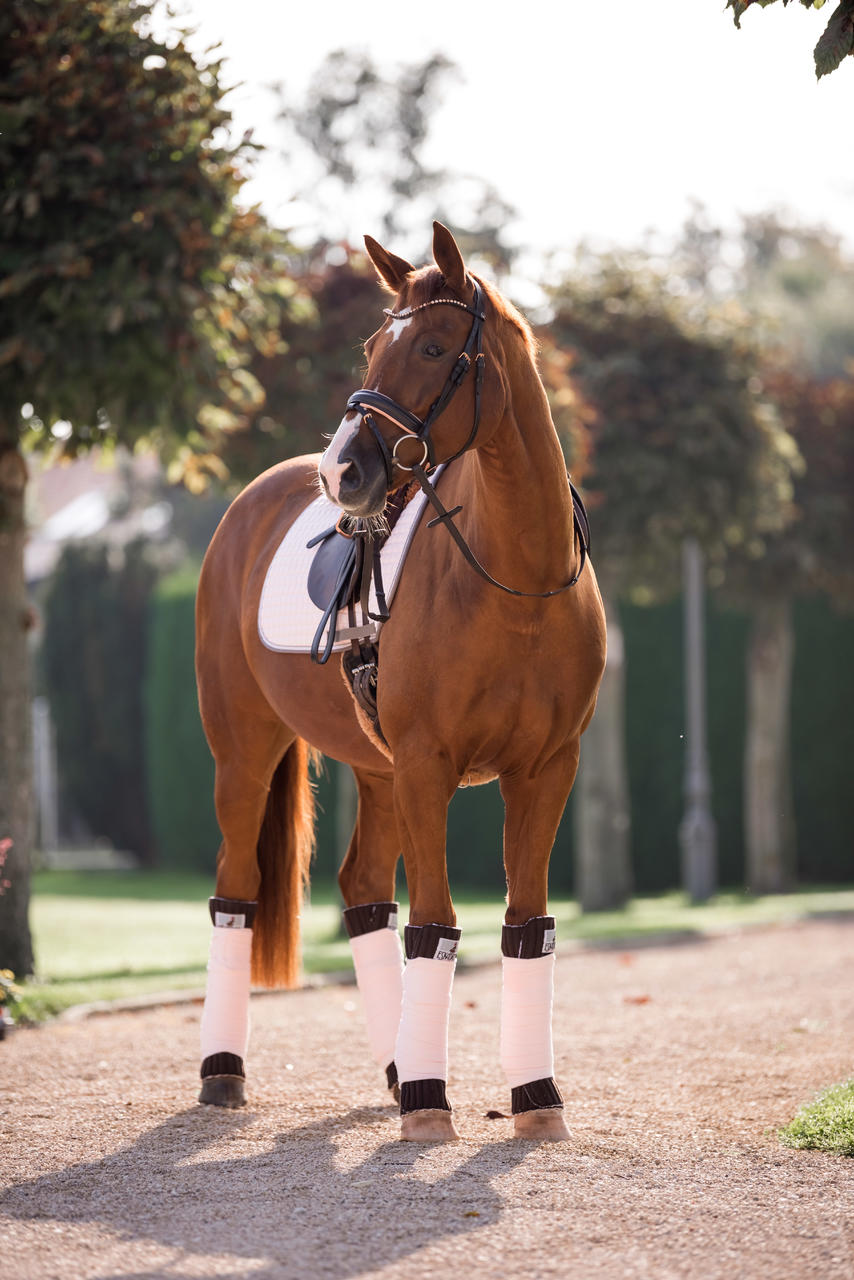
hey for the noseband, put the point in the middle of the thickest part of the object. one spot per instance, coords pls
(366, 403)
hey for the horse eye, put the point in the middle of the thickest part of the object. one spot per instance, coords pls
(434, 350)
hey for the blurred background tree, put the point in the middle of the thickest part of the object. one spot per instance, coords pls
(684, 445)
(134, 290)
(362, 130)
(797, 286)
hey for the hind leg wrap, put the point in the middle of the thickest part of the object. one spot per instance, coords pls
(225, 1017)
(378, 961)
(422, 1041)
(527, 1056)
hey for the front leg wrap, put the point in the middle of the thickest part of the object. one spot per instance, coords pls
(378, 961)
(527, 1056)
(422, 1040)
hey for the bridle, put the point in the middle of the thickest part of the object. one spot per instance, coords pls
(366, 403)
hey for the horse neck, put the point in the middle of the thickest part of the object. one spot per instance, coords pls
(523, 507)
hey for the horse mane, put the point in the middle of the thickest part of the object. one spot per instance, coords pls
(428, 283)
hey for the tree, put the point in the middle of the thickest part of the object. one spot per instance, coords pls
(318, 361)
(836, 41)
(363, 130)
(811, 553)
(684, 445)
(798, 287)
(133, 287)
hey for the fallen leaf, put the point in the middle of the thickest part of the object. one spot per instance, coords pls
(636, 999)
(496, 1115)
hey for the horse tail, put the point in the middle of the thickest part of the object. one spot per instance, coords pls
(285, 849)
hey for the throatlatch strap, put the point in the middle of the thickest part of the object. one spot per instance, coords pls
(528, 941)
(232, 913)
(423, 1095)
(370, 916)
(539, 1095)
(431, 941)
(223, 1064)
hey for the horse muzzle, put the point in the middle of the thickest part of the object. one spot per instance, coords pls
(352, 472)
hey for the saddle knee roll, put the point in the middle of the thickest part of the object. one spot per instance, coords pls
(527, 1055)
(225, 1017)
(378, 962)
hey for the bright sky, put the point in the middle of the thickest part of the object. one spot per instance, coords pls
(598, 120)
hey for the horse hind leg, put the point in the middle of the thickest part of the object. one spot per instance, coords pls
(267, 826)
(367, 883)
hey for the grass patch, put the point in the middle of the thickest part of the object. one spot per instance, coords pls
(826, 1124)
(108, 935)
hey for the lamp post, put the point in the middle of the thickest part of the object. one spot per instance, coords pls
(697, 833)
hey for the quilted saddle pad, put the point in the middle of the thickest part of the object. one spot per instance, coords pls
(287, 617)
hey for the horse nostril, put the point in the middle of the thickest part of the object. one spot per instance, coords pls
(351, 478)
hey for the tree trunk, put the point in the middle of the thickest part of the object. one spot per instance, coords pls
(602, 824)
(768, 805)
(16, 819)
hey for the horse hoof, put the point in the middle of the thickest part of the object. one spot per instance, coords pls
(427, 1126)
(224, 1091)
(547, 1125)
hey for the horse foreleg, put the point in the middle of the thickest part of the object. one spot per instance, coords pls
(422, 792)
(367, 883)
(533, 808)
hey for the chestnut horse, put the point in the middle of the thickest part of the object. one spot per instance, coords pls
(474, 684)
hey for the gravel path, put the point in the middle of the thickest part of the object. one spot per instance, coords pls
(679, 1063)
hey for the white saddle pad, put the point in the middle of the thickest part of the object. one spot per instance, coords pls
(287, 616)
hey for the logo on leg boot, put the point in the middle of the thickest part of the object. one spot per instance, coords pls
(222, 920)
(446, 949)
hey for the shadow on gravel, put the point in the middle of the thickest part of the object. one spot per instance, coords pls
(292, 1207)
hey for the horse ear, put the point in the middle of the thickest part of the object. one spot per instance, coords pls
(448, 258)
(392, 270)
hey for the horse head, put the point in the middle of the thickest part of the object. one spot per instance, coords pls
(408, 414)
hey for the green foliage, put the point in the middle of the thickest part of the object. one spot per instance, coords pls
(797, 282)
(179, 766)
(826, 1124)
(318, 363)
(837, 40)
(684, 442)
(835, 43)
(133, 287)
(813, 550)
(94, 660)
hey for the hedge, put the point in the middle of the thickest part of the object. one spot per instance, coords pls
(179, 765)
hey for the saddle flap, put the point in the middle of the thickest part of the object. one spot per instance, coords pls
(331, 569)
